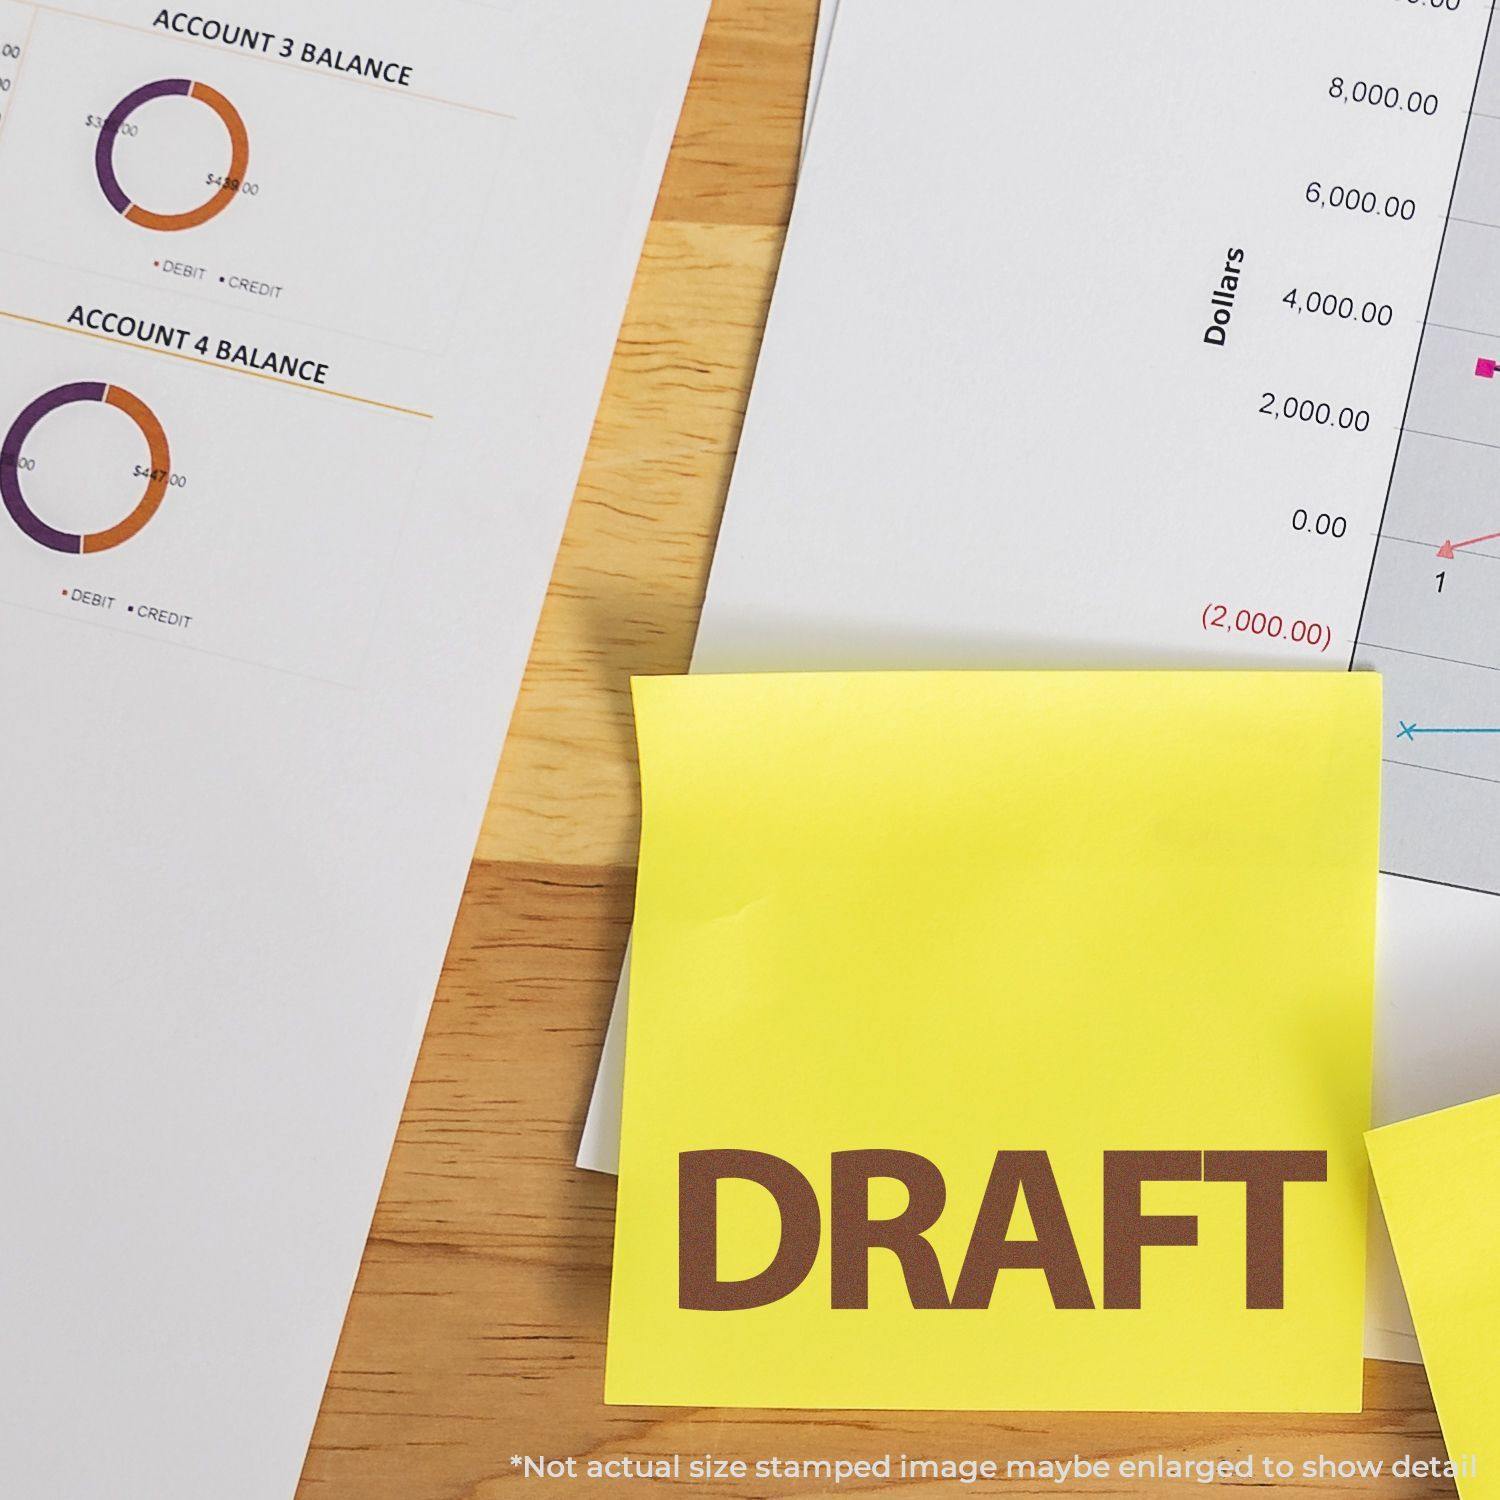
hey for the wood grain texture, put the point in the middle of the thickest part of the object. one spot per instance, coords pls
(633, 565)
(477, 1328)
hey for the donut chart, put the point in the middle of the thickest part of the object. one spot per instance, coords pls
(167, 88)
(78, 543)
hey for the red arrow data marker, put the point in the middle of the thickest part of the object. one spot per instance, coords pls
(1448, 549)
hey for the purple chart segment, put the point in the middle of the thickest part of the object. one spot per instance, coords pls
(10, 465)
(104, 152)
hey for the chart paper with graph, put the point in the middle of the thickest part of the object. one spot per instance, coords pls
(1192, 347)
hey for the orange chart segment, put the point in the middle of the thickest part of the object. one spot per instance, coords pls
(233, 180)
(156, 486)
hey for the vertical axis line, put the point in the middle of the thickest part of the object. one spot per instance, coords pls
(1416, 363)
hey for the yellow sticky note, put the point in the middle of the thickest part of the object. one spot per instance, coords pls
(999, 1040)
(1441, 1197)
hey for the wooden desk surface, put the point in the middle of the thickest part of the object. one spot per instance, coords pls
(477, 1329)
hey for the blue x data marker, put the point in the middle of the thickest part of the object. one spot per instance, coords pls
(1411, 731)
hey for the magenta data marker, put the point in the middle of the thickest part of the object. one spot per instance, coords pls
(1485, 369)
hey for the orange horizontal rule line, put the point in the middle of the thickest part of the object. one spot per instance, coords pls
(213, 364)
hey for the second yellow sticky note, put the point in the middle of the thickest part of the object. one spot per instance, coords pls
(1439, 1191)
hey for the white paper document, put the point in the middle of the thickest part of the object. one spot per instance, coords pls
(1102, 337)
(305, 309)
